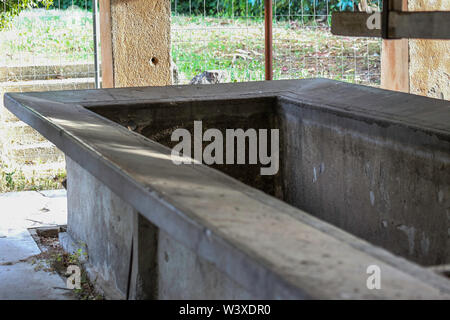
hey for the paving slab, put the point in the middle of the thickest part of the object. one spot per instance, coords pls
(22, 210)
(17, 247)
(20, 281)
(21, 278)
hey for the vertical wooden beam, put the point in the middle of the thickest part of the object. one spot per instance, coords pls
(268, 50)
(395, 58)
(106, 44)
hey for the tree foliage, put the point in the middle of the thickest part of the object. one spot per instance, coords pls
(65, 4)
(10, 8)
(304, 9)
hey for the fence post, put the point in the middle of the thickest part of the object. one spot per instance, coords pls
(268, 39)
(395, 58)
(106, 43)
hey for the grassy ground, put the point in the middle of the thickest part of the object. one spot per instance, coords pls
(41, 36)
(300, 51)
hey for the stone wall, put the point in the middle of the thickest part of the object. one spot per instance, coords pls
(429, 69)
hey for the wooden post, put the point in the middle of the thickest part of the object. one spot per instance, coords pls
(106, 44)
(395, 58)
(268, 50)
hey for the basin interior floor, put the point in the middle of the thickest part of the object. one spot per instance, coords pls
(19, 277)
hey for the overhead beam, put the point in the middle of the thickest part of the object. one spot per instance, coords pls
(407, 25)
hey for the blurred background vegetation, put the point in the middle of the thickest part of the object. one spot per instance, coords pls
(307, 9)
(255, 8)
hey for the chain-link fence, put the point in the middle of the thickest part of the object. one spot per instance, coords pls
(54, 41)
(213, 35)
(228, 36)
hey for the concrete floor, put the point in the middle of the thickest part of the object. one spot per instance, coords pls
(18, 212)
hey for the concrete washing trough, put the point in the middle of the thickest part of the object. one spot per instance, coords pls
(363, 180)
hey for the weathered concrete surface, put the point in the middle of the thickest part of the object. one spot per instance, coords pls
(183, 275)
(429, 59)
(15, 245)
(19, 278)
(141, 42)
(161, 267)
(31, 209)
(158, 122)
(380, 184)
(92, 206)
(371, 181)
(268, 247)
(20, 281)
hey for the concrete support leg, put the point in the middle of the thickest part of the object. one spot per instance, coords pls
(103, 224)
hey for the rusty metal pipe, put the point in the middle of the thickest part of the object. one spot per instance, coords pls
(268, 50)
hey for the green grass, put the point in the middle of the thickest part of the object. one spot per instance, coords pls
(300, 51)
(199, 44)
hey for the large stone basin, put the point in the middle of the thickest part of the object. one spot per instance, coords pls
(363, 180)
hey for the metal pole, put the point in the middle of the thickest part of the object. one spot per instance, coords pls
(268, 39)
(96, 61)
